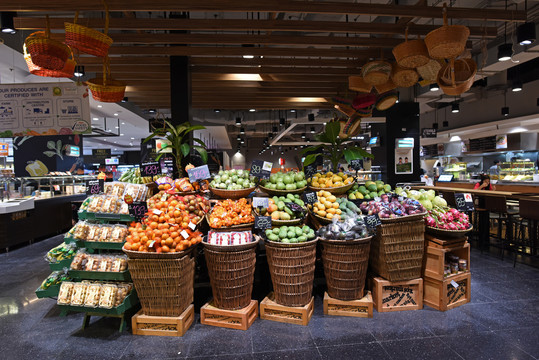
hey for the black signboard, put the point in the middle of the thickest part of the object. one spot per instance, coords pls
(101, 154)
(138, 209)
(261, 169)
(262, 202)
(150, 168)
(464, 201)
(310, 197)
(199, 173)
(355, 164)
(372, 221)
(262, 222)
(310, 170)
(428, 133)
(94, 187)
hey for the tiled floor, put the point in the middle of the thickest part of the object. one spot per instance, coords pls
(501, 322)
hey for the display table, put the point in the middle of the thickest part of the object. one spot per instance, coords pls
(516, 187)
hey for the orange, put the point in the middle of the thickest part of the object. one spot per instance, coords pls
(169, 242)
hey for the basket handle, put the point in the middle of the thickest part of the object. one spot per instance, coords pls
(452, 67)
(406, 34)
(444, 12)
(107, 17)
(76, 17)
(106, 69)
(48, 28)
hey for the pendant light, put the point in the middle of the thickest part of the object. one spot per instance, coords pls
(6, 21)
(434, 87)
(455, 108)
(505, 108)
(526, 32)
(238, 121)
(505, 50)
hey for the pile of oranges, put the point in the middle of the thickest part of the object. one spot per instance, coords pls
(228, 212)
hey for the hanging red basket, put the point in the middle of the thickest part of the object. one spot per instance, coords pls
(66, 72)
(45, 52)
(106, 89)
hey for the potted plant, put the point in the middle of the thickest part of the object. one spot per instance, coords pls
(179, 140)
(333, 148)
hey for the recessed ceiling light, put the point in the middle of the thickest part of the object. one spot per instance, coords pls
(95, 119)
(99, 106)
(104, 139)
(252, 110)
(131, 143)
(121, 134)
(123, 123)
(292, 110)
(248, 56)
(115, 149)
(132, 138)
(117, 127)
(115, 114)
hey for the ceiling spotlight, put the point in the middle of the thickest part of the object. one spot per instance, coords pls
(117, 127)
(434, 87)
(398, 97)
(242, 131)
(238, 121)
(151, 111)
(248, 56)
(505, 51)
(281, 121)
(238, 138)
(312, 129)
(455, 108)
(445, 123)
(270, 135)
(292, 110)
(132, 138)
(266, 139)
(526, 33)
(505, 111)
(303, 135)
(6, 19)
(435, 126)
(131, 144)
(517, 86)
(274, 129)
(217, 110)
(243, 141)
(252, 110)
(121, 134)
(95, 119)
(308, 140)
(79, 71)
(100, 106)
(295, 147)
(310, 117)
(115, 114)
(125, 99)
(123, 123)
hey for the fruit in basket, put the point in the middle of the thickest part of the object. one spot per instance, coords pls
(347, 230)
(228, 213)
(291, 180)
(447, 218)
(368, 191)
(330, 180)
(279, 210)
(233, 180)
(326, 206)
(290, 234)
(391, 207)
(133, 176)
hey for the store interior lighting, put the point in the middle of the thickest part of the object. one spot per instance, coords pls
(505, 111)
(79, 71)
(434, 87)
(505, 51)
(517, 86)
(455, 108)
(6, 21)
(238, 121)
(526, 33)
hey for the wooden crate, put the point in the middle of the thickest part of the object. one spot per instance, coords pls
(397, 295)
(443, 295)
(233, 319)
(434, 261)
(441, 243)
(356, 308)
(163, 325)
(301, 315)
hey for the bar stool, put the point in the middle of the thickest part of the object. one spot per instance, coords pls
(529, 220)
(497, 206)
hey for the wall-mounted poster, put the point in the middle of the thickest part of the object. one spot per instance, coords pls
(404, 155)
(44, 109)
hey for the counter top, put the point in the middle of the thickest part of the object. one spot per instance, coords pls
(15, 205)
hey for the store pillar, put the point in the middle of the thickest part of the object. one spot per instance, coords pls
(180, 89)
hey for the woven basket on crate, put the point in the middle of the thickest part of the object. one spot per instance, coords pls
(88, 40)
(376, 72)
(292, 271)
(106, 89)
(66, 71)
(411, 53)
(457, 77)
(397, 249)
(357, 83)
(45, 52)
(345, 267)
(164, 286)
(231, 270)
(448, 41)
(403, 77)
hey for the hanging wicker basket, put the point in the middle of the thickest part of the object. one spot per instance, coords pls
(65, 72)
(363, 101)
(387, 100)
(385, 87)
(350, 127)
(357, 83)
(411, 53)
(448, 41)
(106, 89)
(45, 52)
(457, 77)
(403, 77)
(376, 72)
(429, 71)
(88, 40)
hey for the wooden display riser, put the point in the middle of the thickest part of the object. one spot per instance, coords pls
(301, 315)
(444, 244)
(163, 325)
(398, 295)
(233, 319)
(356, 308)
(435, 260)
(442, 295)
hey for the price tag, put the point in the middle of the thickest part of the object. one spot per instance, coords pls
(262, 202)
(262, 222)
(199, 173)
(157, 212)
(455, 285)
(294, 207)
(261, 169)
(185, 234)
(94, 187)
(138, 209)
(309, 170)
(372, 221)
(464, 202)
(355, 164)
(310, 197)
(150, 168)
(152, 244)
(192, 226)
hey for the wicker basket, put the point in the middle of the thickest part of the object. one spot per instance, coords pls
(154, 255)
(411, 54)
(281, 192)
(335, 190)
(282, 222)
(231, 270)
(403, 77)
(164, 286)
(232, 194)
(292, 271)
(88, 40)
(45, 52)
(466, 68)
(246, 226)
(350, 127)
(357, 83)
(387, 100)
(342, 104)
(397, 249)
(363, 101)
(385, 87)
(345, 267)
(429, 71)
(106, 89)
(66, 71)
(320, 219)
(376, 72)
(448, 41)
(447, 234)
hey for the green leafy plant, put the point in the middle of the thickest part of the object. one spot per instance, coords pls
(333, 148)
(179, 139)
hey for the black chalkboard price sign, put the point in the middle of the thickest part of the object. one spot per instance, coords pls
(464, 201)
(94, 187)
(310, 197)
(372, 221)
(150, 168)
(199, 173)
(355, 164)
(262, 222)
(310, 170)
(138, 209)
(261, 169)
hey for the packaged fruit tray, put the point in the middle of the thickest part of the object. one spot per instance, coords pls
(130, 301)
(100, 275)
(275, 192)
(84, 215)
(61, 264)
(50, 292)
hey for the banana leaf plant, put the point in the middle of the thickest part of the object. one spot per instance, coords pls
(180, 141)
(333, 148)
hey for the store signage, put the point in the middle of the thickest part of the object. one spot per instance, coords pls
(163, 146)
(262, 222)
(150, 168)
(94, 187)
(72, 150)
(260, 202)
(464, 202)
(310, 170)
(501, 142)
(101, 154)
(199, 173)
(261, 169)
(4, 149)
(355, 164)
(428, 133)
(61, 108)
(372, 221)
(138, 209)
(310, 197)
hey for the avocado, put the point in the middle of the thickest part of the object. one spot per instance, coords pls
(372, 187)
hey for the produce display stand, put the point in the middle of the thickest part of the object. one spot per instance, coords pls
(51, 292)
(355, 308)
(60, 265)
(397, 295)
(163, 325)
(435, 261)
(100, 275)
(101, 245)
(84, 215)
(241, 319)
(449, 293)
(299, 315)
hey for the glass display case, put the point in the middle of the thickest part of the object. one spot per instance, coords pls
(458, 170)
(44, 187)
(517, 171)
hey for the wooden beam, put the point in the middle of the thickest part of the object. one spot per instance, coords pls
(195, 84)
(276, 78)
(318, 7)
(271, 70)
(126, 60)
(238, 61)
(32, 23)
(116, 68)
